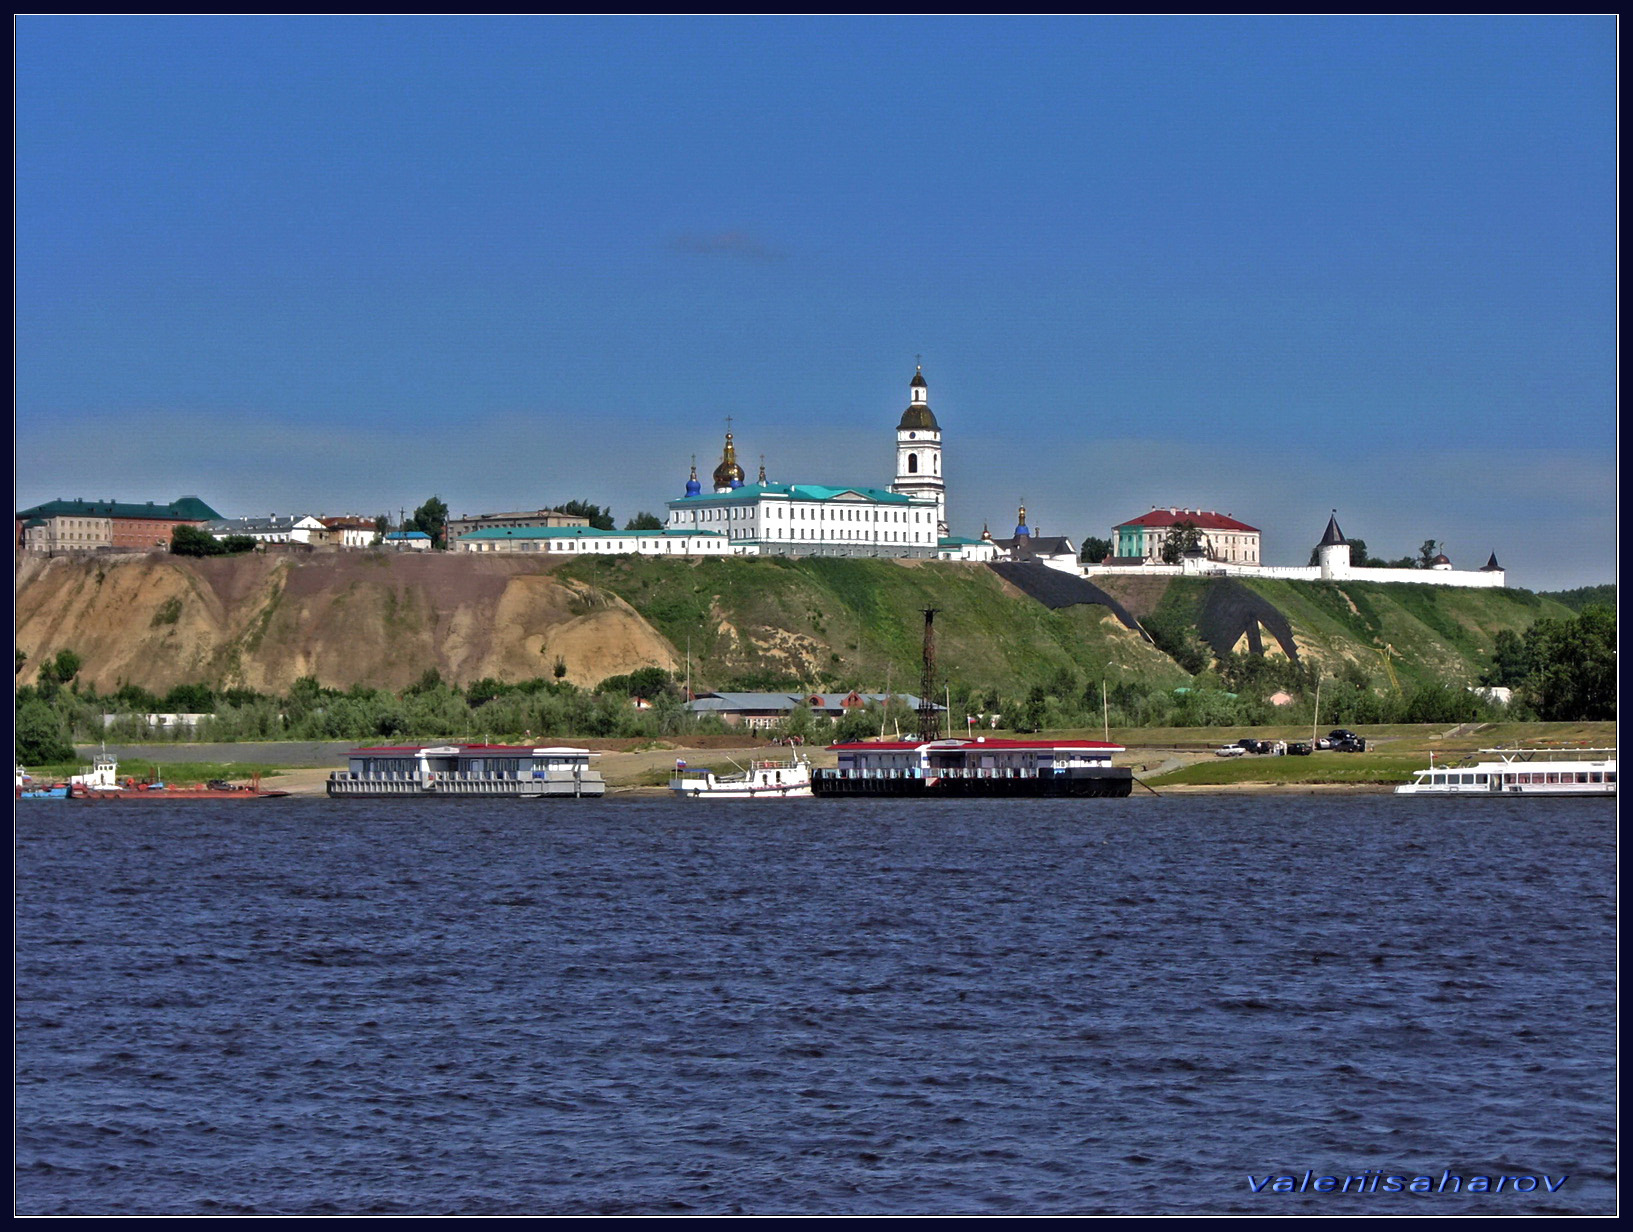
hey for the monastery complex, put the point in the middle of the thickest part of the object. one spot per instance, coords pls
(908, 519)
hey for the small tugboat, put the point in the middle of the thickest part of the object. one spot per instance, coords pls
(1558, 771)
(472, 771)
(762, 780)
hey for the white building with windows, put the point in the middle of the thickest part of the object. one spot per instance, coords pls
(587, 540)
(907, 519)
(297, 528)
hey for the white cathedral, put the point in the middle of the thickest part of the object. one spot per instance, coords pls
(909, 518)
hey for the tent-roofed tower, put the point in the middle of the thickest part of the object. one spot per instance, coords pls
(1332, 553)
(918, 451)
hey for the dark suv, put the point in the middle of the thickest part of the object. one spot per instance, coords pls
(1298, 749)
(1353, 744)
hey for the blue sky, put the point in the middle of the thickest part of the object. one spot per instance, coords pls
(1260, 265)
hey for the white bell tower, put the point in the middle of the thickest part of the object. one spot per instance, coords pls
(918, 452)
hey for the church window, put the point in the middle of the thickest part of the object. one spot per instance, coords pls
(912, 464)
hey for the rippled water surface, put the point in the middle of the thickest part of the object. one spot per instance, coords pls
(623, 1007)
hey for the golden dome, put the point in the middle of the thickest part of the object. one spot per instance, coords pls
(728, 472)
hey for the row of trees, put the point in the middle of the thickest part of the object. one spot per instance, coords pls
(1560, 670)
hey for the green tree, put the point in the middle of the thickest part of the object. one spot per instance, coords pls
(644, 521)
(484, 691)
(188, 699)
(1182, 537)
(1427, 554)
(41, 736)
(64, 667)
(1511, 661)
(1094, 551)
(432, 518)
(599, 518)
(22, 657)
(647, 682)
(1573, 674)
(1029, 715)
(191, 541)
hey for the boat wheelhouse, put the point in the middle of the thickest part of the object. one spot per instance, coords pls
(974, 767)
(468, 770)
(1519, 772)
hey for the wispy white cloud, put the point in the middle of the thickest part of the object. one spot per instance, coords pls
(738, 244)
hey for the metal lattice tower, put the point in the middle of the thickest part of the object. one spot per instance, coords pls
(929, 719)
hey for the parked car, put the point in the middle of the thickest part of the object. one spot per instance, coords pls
(1299, 749)
(1355, 745)
(1340, 733)
(1230, 750)
(1251, 745)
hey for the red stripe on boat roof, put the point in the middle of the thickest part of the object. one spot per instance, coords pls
(953, 746)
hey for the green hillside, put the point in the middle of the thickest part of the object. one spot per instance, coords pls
(1423, 633)
(842, 623)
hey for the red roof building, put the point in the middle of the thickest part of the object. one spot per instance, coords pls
(1222, 536)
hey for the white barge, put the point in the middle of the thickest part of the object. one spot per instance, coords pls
(1519, 772)
(468, 771)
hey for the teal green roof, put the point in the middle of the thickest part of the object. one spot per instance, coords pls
(183, 509)
(573, 532)
(792, 491)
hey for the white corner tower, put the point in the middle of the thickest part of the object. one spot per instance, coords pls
(1332, 553)
(918, 452)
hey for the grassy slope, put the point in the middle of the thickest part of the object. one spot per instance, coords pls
(860, 622)
(1435, 631)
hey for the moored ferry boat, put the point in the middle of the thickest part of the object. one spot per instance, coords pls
(1519, 772)
(763, 780)
(975, 767)
(468, 771)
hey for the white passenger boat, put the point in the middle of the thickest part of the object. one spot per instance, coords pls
(763, 780)
(1520, 772)
(468, 770)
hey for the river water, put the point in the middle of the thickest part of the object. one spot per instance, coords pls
(655, 1007)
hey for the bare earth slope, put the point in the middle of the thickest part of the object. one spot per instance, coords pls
(377, 619)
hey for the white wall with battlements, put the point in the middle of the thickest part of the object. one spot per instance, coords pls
(1495, 579)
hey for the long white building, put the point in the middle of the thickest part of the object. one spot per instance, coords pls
(789, 519)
